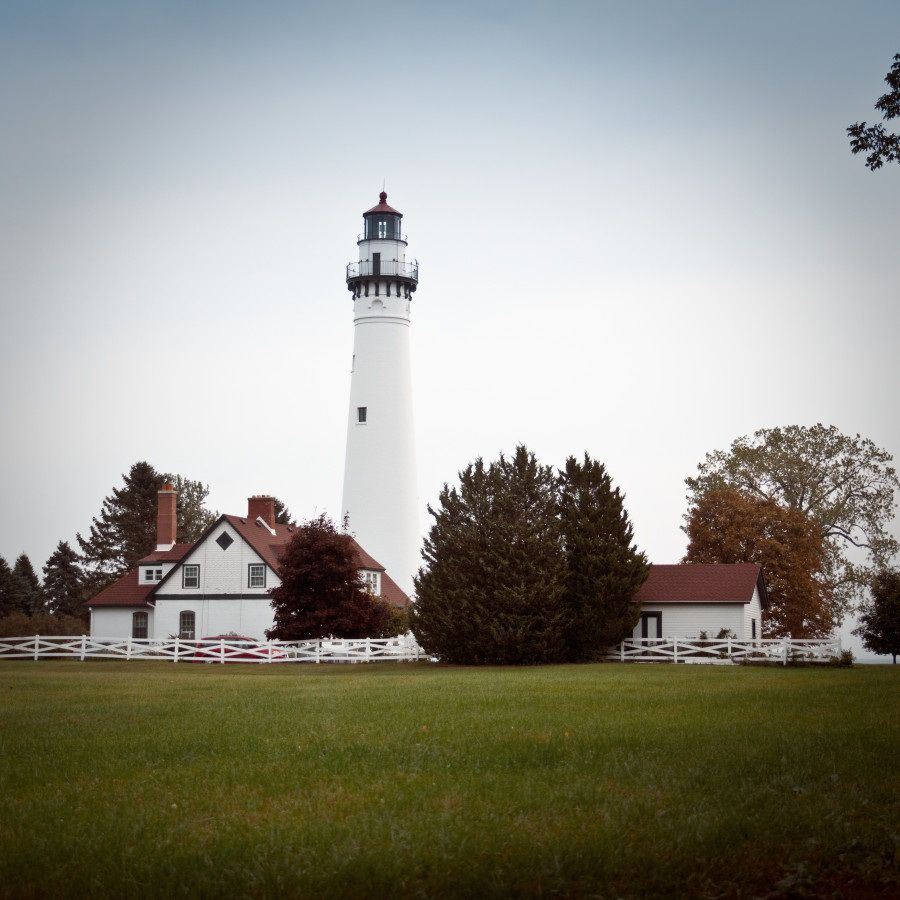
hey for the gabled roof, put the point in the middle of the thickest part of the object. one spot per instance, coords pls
(127, 591)
(703, 583)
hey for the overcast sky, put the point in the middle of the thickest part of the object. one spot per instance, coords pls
(640, 229)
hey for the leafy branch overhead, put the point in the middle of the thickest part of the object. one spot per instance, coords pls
(881, 146)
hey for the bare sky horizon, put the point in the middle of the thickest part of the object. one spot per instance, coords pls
(640, 229)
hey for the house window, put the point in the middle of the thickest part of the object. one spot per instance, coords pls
(190, 577)
(186, 626)
(139, 622)
(371, 579)
(256, 576)
(753, 628)
(361, 413)
(152, 575)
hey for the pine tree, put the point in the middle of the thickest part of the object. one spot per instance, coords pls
(7, 604)
(491, 588)
(321, 594)
(604, 569)
(282, 514)
(27, 596)
(125, 530)
(64, 582)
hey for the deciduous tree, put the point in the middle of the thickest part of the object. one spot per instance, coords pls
(322, 593)
(845, 484)
(881, 146)
(125, 530)
(727, 527)
(879, 620)
(604, 568)
(492, 584)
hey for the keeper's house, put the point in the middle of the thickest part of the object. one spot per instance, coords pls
(219, 585)
(683, 600)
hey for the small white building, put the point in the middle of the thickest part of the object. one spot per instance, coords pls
(683, 600)
(218, 585)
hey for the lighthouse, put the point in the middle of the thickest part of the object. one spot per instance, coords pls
(380, 485)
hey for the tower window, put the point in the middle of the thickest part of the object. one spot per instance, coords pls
(361, 413)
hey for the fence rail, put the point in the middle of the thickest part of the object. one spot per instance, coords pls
(402, 649)
(726, 650)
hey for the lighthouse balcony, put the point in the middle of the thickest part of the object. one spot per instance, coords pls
(385, 268)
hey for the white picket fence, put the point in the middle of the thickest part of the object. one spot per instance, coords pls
(401, 649)
(726, 651)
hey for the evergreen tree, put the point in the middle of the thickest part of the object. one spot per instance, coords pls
(491, 588)
(283, 514)
(64, 582)
(604, 569)
(27, 596)
(322, 594)
(7, 605)
(125, 530)
(879, 621)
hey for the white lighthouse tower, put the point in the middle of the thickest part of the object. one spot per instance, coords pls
(380, 485)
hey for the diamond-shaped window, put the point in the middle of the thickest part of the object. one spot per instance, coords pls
(224, 540)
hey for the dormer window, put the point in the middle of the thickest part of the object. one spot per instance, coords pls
(151, 575)
(373, 585)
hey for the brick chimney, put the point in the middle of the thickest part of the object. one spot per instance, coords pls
(262, 506)
(167, 518)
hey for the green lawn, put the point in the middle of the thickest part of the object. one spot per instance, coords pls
(154, 779)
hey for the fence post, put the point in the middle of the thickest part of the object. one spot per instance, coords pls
(83, 646)
(37, 641)
(270, 651)
(368, 649)
(675, 650)
(729, 647)
(318, 650)
(175, 658)
(784, 651)
(622, 651)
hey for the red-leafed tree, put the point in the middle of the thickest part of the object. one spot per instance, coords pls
(322, 594)
(728, 527)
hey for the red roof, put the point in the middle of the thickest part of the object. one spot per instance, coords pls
(128, 592)
(125, 592)
(178, 552)
(703, 583)
(383, 207)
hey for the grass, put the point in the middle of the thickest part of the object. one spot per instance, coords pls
(151, 779)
